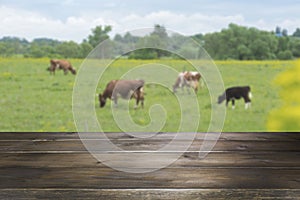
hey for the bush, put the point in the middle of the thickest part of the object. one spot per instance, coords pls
(285, 55)
(287, 117)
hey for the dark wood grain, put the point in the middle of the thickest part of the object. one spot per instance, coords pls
(128, 144)
(240, 166)
(149, 194)
(120, 136)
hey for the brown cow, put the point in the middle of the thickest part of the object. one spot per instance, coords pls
(124, 88)
(187, 79)
(61, 64)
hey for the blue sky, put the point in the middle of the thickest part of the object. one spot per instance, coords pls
(74, 19)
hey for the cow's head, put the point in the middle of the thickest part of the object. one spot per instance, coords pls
(52, 63)
(221, 98)
(102, 100)
(73, 71)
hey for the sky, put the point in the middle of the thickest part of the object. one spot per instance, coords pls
(73, 19)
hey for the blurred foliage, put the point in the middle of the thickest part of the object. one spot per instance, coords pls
(99, 34)
(287, 117)
(234, 42)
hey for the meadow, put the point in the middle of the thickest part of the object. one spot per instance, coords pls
(32, 100)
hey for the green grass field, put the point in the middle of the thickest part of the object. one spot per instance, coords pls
(33, 100)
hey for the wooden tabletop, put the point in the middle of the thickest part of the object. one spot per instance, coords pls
(240, 166)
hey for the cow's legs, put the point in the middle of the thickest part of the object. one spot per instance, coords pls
(232, 102)
(247, 105)
(188, 88)
(196, 85)
(116, 101)
(227, 101)
(182, 88)
(114, 98)
(247, 102)
(142, 102)
(139, 98)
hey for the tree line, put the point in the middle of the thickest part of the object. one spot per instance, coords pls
(234, 42)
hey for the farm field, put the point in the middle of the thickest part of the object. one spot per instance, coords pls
(32, 100)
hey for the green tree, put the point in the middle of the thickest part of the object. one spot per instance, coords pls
(35, 51)
(152, 46)
(129, 38)
(260, 49)
(188, 51)
(68, 49)
(297, 33)
(212, 44)
(2, 48)
(146, 48)
(118, 38)
(283, 43)
(144, 54)
(124, 44)
(14, 46)
(198, 38)
(98, 35)
(85, 49)
(238, 42)
(160, 38)
(296, 47)
(284, 32)
(244, 53)
(42, 47)
(285, 55)
(278, 31)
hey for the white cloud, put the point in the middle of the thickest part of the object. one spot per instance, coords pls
(185, 24)
(68, 2)
(30, 25)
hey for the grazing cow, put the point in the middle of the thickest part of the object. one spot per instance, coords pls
(188, 79)
(236, 93)
(127, 89)
(61, 64)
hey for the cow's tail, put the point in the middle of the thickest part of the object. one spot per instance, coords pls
(249, 93)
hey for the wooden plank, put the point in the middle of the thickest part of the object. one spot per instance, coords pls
(224, 136)
(17, 136)
(137, 194)
(107, 178)
(188, 159)
(130, 144)
(241, 165)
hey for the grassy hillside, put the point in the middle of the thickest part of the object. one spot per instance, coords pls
(33, 100)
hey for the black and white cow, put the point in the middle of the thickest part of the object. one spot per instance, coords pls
(233, 93)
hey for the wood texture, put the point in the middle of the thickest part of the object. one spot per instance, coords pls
(240, 166)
